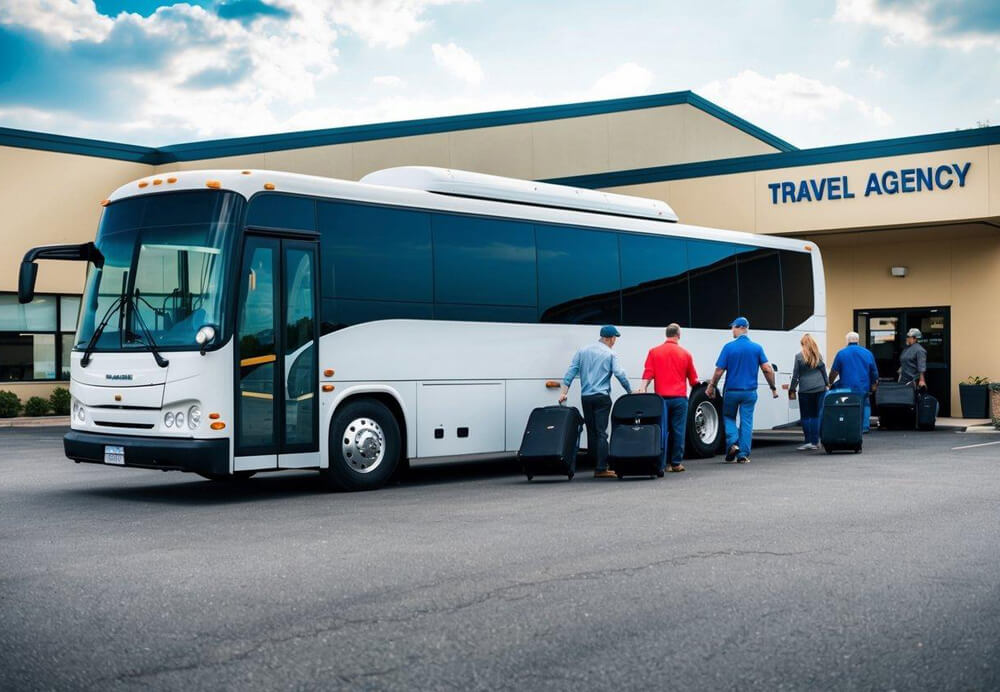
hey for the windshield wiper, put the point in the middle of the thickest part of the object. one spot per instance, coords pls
(149, 342)
(92, 344)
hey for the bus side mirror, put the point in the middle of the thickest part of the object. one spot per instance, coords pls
(26, 282)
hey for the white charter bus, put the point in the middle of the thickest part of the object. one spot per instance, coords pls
(243, 321)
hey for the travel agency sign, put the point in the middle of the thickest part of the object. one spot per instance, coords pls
(875, 184)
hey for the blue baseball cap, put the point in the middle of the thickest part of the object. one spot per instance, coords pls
(607, 331)
(740, 322)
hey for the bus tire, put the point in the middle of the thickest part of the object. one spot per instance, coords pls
(365, 446)
(705, 430)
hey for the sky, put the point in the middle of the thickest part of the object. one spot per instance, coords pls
(813, 72)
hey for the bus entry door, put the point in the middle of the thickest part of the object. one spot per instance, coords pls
(277, 376)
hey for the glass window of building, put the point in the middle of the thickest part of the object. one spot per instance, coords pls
(36, 339)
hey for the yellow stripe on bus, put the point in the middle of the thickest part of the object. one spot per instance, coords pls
(258, 360)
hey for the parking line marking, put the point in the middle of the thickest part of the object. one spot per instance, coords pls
(982, 444)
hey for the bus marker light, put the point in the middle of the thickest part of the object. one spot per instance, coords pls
(328, 372)
(214, 184)
(105, 202)
(157, 181)
(809, 248)
(217, 425)
(245, 172)
(171, 180)
(552, 384)
(328, 387)
(143, 184)
(214, 416)
(268, 186)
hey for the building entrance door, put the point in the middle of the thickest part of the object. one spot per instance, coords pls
(883, 332)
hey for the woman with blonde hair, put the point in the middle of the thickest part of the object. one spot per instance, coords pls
(809, 383)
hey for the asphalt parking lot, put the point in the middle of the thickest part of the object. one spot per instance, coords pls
(871, 571)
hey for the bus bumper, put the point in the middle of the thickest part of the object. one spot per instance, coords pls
(166, 454)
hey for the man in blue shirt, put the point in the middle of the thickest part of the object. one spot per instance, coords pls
(740, 360)
(856, 367)
(595, 364)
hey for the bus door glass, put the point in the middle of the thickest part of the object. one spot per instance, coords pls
(276, 354)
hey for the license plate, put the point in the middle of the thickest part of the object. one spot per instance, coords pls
(114, 455)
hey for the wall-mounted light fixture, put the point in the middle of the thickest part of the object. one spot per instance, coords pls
(899, 272)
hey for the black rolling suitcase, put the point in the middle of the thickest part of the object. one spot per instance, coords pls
(637, 436)
(840, 428)
(551, 441)
(927, 411)
(895, 404)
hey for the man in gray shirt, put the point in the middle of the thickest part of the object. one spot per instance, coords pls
(913, 360)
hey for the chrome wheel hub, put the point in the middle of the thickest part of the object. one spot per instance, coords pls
(706, 422)
(363, 445)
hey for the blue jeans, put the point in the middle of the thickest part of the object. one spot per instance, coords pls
(742, 402)
(811, 410)
(866, 413)
(675, 409)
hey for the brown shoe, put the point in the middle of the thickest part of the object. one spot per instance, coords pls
(677, 468)
(608, 473)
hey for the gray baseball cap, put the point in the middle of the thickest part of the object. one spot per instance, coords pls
(915, 333)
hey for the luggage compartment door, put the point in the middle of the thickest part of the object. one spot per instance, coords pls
(460, 418)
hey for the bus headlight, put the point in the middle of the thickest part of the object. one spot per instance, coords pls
(194, 417)
(79, 412)
(168, 420)
(179, 419)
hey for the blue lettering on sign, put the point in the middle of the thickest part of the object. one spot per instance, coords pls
(890, 182)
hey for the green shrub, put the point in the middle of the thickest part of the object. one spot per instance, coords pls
(60, 401)
(10, 404)
(36, 406)
(976, 380)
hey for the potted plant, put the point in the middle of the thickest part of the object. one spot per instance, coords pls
(974, 393)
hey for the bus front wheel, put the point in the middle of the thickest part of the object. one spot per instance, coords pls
(365, 446)
(704, 426)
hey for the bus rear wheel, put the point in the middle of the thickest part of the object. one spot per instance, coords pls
(704, 427)
(364, 446)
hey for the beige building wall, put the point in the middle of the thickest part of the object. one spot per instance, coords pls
(50, 198)
(545, 149)
(957, 266)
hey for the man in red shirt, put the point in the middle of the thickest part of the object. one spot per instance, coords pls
(672, 368)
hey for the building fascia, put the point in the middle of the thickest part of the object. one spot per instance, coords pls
(920, 144)
(195, 151)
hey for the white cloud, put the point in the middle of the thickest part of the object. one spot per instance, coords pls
(628, 79)
(875, 72)
(387, 80)
(457, 62)
(66, 20)
(789, 96)
(842, 64)
(930, 21)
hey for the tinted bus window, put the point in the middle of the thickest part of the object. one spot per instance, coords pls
(484, 262)
(340, 313)
(578, 279)
(760, 288)
(797, 287)
(282, 211)
(654, 281)
(375, 253)
(714, 291)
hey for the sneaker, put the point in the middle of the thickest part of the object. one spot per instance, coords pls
(813, 447)
(676, 468)
(731, 453)
(806, 447)
(743, 460)
(606, 473)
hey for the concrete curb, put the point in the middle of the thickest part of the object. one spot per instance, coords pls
(35, 422)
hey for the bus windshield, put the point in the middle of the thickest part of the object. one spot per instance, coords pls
(167, 254)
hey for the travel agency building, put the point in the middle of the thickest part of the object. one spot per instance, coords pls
(909, 228)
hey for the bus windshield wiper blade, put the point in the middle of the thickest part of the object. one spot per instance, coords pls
(148, 341)
(92, 344)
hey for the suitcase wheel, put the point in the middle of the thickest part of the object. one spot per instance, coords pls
(569, 476)
(828, 450)
(530, 477)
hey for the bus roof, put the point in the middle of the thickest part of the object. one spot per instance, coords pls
(406, 186)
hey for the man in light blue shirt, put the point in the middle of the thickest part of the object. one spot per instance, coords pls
(740, 360)
(595, 364)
